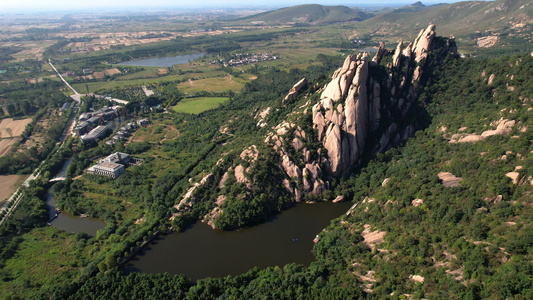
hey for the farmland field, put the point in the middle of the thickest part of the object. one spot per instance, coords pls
(198, 105)
(15, 126)
(8, 185)
(5, 145)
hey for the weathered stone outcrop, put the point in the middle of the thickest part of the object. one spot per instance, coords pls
(295, 90)
(503, 127)
(382, 51)
(188, 198)
(361, 110)
(350, 109)
(348, 116)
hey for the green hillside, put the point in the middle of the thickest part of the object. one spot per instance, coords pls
(309, 13)
(504, 21)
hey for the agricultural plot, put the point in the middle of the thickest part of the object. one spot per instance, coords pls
(111, 72)
(5, 145)
(12, 128)
(198, 105)
(8, 185)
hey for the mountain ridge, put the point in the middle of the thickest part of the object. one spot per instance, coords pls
(309, 13)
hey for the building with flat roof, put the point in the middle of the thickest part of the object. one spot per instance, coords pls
(108, 169)
(118, 158)
(114, 165)
(66, 106)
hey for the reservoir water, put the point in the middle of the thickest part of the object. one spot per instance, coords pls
(66, 221)
(71, 223)
(203, 252)
(163, 61)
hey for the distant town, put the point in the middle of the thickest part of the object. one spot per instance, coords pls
(245, 59)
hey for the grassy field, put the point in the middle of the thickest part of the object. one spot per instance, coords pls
(155, 133)
(198, 105)
(47, 256)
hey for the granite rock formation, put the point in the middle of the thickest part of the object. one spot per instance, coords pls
(367, 106)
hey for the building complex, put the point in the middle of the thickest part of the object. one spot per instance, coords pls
(114, 165)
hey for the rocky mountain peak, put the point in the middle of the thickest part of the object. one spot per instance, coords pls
(361, 110)
(351, 104)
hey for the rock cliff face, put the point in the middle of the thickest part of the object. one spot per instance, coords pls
(361, 109)
(293, 93)
(366, 107)
(351, 105)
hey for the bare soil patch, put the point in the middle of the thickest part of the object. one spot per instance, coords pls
(112, 72)
(5, 146)
(15, 127)
(98, 75)
(8, 185)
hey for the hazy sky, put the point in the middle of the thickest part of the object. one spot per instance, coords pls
(72, 4)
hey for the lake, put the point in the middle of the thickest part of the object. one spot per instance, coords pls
(203, 252)
(163, 61)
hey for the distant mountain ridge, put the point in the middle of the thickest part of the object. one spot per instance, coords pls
(500, 17)
(310, 13)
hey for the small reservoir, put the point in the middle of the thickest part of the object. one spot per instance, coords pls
(66, 221)
(202, 252)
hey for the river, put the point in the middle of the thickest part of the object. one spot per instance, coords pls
(163, 61)
(203, 252)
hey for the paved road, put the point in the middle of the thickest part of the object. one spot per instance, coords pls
(77, 96)
(75, 92)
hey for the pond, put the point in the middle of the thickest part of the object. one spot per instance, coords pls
(203, 252)
(66, 221)
(163, 61)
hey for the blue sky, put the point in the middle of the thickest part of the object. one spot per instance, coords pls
(73, 4)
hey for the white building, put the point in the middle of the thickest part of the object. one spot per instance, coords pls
(108, 169)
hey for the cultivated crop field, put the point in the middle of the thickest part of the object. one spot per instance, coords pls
(12, 128)
(198, 105)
